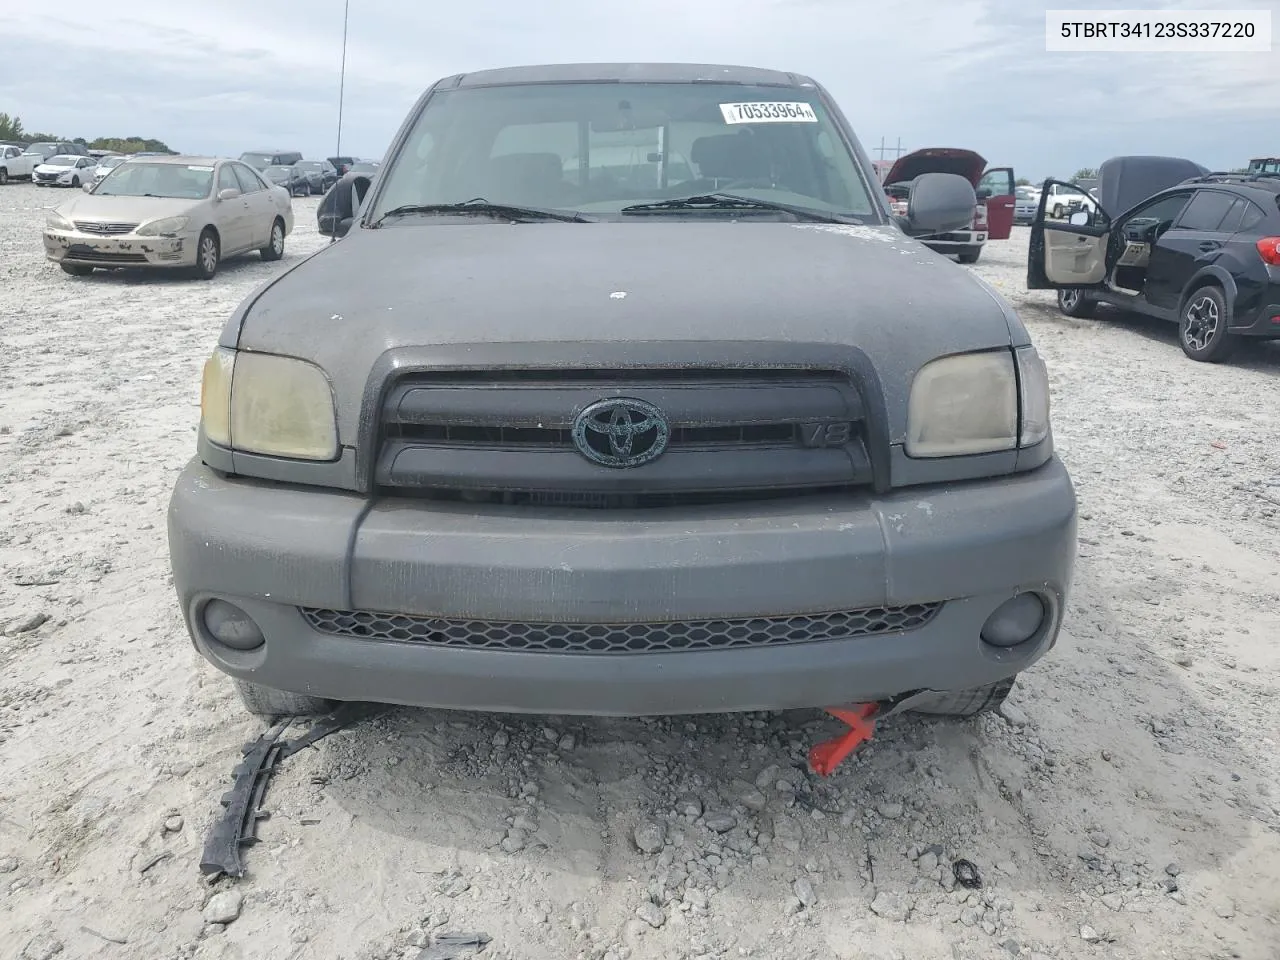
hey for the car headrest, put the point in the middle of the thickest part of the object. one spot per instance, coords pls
(726, 156)
(521, 172)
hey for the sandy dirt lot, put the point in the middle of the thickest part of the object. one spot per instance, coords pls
(1125, 805)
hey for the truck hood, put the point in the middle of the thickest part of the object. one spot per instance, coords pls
(433, 284)
(965, 163)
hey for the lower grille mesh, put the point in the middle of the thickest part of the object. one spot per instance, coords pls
(605, 638)
(104, 256)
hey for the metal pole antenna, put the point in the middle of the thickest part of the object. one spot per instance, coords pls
(342, 77)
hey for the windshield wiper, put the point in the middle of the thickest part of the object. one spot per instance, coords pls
(483, 207)
(730, 201)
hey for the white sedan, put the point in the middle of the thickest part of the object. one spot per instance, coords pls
(177, 212)
(64, 170)
(106, 165)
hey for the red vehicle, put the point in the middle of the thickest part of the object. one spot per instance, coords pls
(342, 164)
(993, 185)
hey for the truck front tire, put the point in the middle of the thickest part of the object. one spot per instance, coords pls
(967, 703)
(269, 702)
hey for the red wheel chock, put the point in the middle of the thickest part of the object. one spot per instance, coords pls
(824, 757)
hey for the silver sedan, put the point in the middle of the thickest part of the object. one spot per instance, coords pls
(175, 212)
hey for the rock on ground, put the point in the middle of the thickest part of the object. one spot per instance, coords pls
(223, 907)
(650, 836)
(891, 906)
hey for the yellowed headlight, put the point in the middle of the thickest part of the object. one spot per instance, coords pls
(963, 404)
(266, 404)
(215, 396)
(282, 407)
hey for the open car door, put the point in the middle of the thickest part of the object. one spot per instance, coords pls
(1068, 253)
(996, 189)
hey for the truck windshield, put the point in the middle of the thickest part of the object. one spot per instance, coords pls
(598, 147)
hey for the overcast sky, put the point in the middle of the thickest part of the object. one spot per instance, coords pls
(962, 73)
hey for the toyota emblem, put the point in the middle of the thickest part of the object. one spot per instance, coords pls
(621, 432)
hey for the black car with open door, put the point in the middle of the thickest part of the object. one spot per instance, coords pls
(1197, 248)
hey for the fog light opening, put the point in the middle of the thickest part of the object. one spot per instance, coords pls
(1015, 621)
(231, 626)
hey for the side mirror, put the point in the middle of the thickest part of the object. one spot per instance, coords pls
(1079, 218)
(230, 193)
(939, 202)
(984, 193)
(337, 211)
(88, 187)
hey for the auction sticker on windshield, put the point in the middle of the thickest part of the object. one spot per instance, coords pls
(768, 112)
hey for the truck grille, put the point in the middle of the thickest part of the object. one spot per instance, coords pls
(507, 437)
(605, 638)
(104, 229)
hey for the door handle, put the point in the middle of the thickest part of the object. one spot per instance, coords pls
(1208, 245)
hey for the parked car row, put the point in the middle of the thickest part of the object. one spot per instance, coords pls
(61, 164)
(300, 177)
(19, 161)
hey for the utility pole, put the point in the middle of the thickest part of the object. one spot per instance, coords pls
(897, 151)
(882, 150)
(342, 76)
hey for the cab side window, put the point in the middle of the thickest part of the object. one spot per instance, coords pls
(996, 183)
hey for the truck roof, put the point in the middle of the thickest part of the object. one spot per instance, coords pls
(627, 73)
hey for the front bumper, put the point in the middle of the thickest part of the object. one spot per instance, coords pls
(126, 250)
(55, 180)
(957, 241)
(271, 549)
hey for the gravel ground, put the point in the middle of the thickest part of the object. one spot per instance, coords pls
(1125, 805)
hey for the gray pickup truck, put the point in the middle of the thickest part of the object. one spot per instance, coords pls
(622, 391)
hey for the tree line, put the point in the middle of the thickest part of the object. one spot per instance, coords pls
(11, 129)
